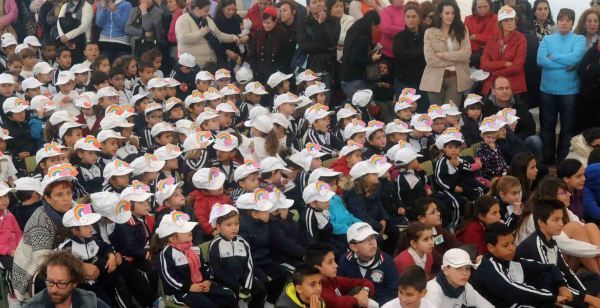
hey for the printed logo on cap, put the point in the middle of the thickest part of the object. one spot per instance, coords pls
(204, 136)
(377, 160)
(213, 174)
(62, 170)
(121, 164)
(179, 216)
(424, 119)
(92, 140)
(122, 207)
(375, 124)
(322, 187)
(260, 195)
(225, 138)
(251, 164)
(139, 186)
(164, 184)
(313, 148)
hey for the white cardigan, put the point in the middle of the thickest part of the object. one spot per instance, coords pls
(345, 22)
(87, 15)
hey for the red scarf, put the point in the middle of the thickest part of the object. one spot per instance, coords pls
(193, 260)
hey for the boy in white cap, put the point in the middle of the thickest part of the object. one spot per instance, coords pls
(222, 78)
(365, 260)
(82, 77)
(279, 83)
(209, 120)
(170, 154)
(451, 286)
(397, 131)
(40, 109)
(42, 71)
(21, 145)
(225, 145)
(9, 44)
(194, 104)
(162, 134)
(376, 139)
(85, 158)
(246, 178)
(156, 87)
(169, 198)
(28, 192)
(319, 131)
(145, 71)
(471, 118)
(185, 73)
(91, 250)
(254, 92)
(230, 256)
(109, 145)
(30, 87)
(412, 182)
(315, 217)
(153, 114)
(209, 191)
(421, 138)
(116, 176)
(174, 110)
(227, 112)
(255, 209)
(271, 173)
(183, 273)
(66, 96)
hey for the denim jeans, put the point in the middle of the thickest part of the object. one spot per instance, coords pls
(534, 145)
(551, 106)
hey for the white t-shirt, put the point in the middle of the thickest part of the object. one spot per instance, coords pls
(469, 297)
(395, 303)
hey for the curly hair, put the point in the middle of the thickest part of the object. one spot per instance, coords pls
(67, 260)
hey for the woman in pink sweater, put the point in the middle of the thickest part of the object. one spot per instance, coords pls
(392, 22)
(11, 11)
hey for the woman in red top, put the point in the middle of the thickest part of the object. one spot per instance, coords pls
(481, 25)
(486, 210)
(505, 53)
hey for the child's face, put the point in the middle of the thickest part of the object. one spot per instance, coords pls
(451, 150)
(2, 145)
(15, 67)
(87, 157)
(432, 217)
(438, 125)
(371, 179)
(17, 117)
(359, 138)
(29, 62)
(452, 120)
(110, 146)
(474, 112)
(118, 81)
(120, 181)
(140, 209)
(261, 216)
(457, 277)
(146, 74)
(511, 196)
(425, 242)
(365, 249)
(320, 205)
(83, 231)
(316, 163)
(88, 111)
(158, 93)
(213, 103)
(126, 132)
(4, 201)
(181, 137)
(180, 238)
(532, 170)
(7, 89)
(91, 52)
(283, 213)
(195, 110)
(67, 87)
(311, 286)
(154, 117)
(225, 120)
(44, 78)
(49, 52)
(383, 69)
(104, 66)
(378, 139)
(164, 138)
(229, 227)
(251, 97)
(183, 69)
(177, 200)
(321, 124)
(492, 216)
(74, 135)
(321, 98)
(353, 158)
(171, 165)
(328, 267)
(553, 226)
(225, 157)
(171, 91)
(33, 92)
(287, 109)
(410, 297)
(64, 59)
(203, 85)
(157, 63)
(405, 114)
(132, 68)
(212, 124)
(52, 161)
(505, 247)
(222, 82)
(249, 183)
(490, 138)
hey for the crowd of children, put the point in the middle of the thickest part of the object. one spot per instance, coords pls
(208, 189)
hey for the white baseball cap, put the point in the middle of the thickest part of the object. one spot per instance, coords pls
(317, 111)
(279, 118)
(172, 82)
(403, 153)
(421, 122)
(219, 210)
(80, 69)
(32, 41)
(186, 59)
(254, 113)
(168, 152)
(208, 178)
(212, 94)
(317, 191)
(436, 112)
(165, 189)
(15, 105)
(137, 192)
(350, 147)
(4, 134)
(397, 126)
(138, 97)
(509, 115)
(110, 205)
(30, 83)
(20, 48)
(346, 112)
(29, 184)
(60, 172)
(116, 168)
(321, 172)
(205, 76)
(244, 74)
(113, 121)
(354, 127)
(490, 124)
(307, 75)
(472, 99)
(146, 163)
(285, 98)
(153, 107)
(80, 215)
(194, 98)
(185, 126)
(86, 101)
(4, 188)
(206, 115)
(315, 89)
(506, 12)
(255, 87)
(64, 77)
(8, 41)
(156, 83)
(48, 150)
(263, 123)
(272, 163)
(42, 68)
(374, 126)
(359, 232)
(7, 78)
(106, 134)
(172, 102)
(225, 142)
(304, 158)
(61, 116)
(66, 126)
(403, 103)
(410, 93)
(276, 78)
(230, 89)
(362, 168)
(456, 258)
(479, 75)
(175, 222)
(279, 199)
(451, 109)
(362, 98)
(222, 73)
(161, 127)
(259, 200)
(226, 107)
(450, 134)
(42, 101)
(87, 143)
(245, 169)
(198, 140)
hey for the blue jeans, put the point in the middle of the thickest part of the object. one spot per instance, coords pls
(534, 145)
(350, 87)
(551, 106)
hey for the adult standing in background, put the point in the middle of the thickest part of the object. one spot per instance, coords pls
(518, 5)
(254, 14)
(447, 51)
(427, 11)
(558, 56)
(10, 12)
(111, 17)
(505, 53)
(481, 26)
(336, 7)
(176, 8)
(589, 74)
(145, 26)
(392, 22)
(358, 8)
(588, 26)
(544, 24)
(229, 22)
(74, 27)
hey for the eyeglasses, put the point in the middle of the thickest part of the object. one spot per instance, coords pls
(436, 211)
(58, 284)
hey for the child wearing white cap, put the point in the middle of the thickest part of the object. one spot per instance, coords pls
(109, 145)
(203, 80)
(255, 209)
(145, 72)
(162, 134)
(21, 145)
(492, 161)
(213, 97)
(153, 114)
(31, 87)
(376, 139)
(397, 131)
(90, 249)
(319, 131)
(11, 232)
(226, 160)
(174, 110)
(227, 112)
(28, 192)
(170, 154)
(471, 119)
(412, 181)
(350, 154)
(85, 159)
(421, 138)
(254, 92)
(69, 133)
(230, 256)
(49, 155)
(222, 78)
(183, 273)
(66, 95)
(271, 173)
(157, 89)
(116, 176)
(169, 198)
(209, 191)
(209, 120)
(246, 178)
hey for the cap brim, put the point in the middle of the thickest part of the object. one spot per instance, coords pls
(285, 204)
(138, 197)
(364, 235)
(223, 148)
(88, 147)
(122, 172)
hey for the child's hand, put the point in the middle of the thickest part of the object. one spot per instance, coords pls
(66, 100)
(205, 285)
(135, 141)
(90, 271)
(24, 155)
(362, 298)
(196, 287)
(315, 302)
(383, 224)
(111, 264)
(565, 293)
(517, 208)
(458, 189)
(118, 258)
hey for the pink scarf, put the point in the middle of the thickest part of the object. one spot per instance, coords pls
(193, 260)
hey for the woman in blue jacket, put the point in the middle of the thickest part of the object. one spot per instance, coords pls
(111, 18)
(558, 56)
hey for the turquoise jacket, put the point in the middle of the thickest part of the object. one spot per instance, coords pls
(339, 217)
(558, 56)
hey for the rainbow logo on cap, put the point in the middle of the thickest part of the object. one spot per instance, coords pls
(424, 119)
(233, 88)
(179, 216)
(62, 170)
(434, 108)
(139, 186)
(357, 122)
(487, 122)
(376, 160)
(508, 111)
(128, 109)
(310, 72)
(251, 164)
(217, 210)
(213, 174)
(277, 193)
(92, 140)
(114, 109)
(21, 102)
(123, 206)
(312, 148)
(405, 100)
(225, 138)
(171, 148)
(408, 91)
(322, 186)
(375, 124)
(150, 157)
(260, 195)
(318, 107)
(400, 123)
(51, 147)
(80, 210)
(120, 164)
(204, 136)
(162, 184)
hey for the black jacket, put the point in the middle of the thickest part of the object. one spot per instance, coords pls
(231, 263)
(320, 232)
(130, 240)
(256, 233)
(356, 55)
(90, 177)
(589, 71)
(407, 195)
(287, 240)
(409, 57)
(270, 52)
(21, 138)
(175, 271)
(470, 130)
(525, 126)
(318, 41)
(369, 210)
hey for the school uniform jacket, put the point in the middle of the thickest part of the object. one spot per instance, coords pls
(257, 234)
(231, 263)
(512, 283)
(329, 144)
(316, 224)
(92, 250)
(131, 239)
(90, 177)
(536, 247)
(421, 145)
(287, 240)
(381, 271)
(411, 185)
(175, 271)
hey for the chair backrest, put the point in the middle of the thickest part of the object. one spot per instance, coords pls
(204, 250)
(30, 164)
(428, 167)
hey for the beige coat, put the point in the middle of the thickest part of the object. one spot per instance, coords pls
(434, 71)
(190, 39)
